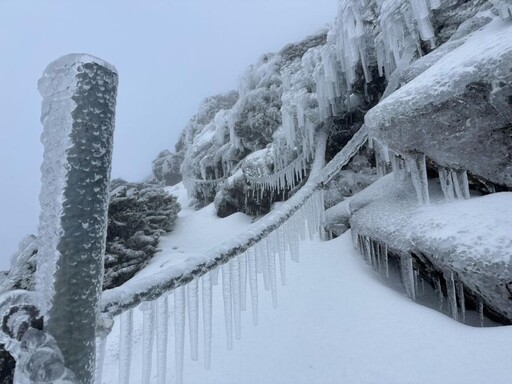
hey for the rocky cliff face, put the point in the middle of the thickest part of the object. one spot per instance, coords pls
(432, 81)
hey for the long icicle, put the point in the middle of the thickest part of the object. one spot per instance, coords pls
(243, 281)
(125, 346)
(272, 275)
(207, 319)
(228, 306)
(193, 317)
(462, 301)
(235, 287)
(253, 283)
(162, 311)
(101, 343)
(148, 332)
(179, 331)
(282, 254)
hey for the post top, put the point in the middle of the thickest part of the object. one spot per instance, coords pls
(67, 66)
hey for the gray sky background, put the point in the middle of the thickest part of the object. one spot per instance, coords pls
(170, 54)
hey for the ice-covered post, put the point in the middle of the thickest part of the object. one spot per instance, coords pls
(79, 98)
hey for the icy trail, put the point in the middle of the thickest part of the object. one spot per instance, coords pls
(335, 323)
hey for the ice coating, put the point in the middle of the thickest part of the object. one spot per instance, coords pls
(79, 97)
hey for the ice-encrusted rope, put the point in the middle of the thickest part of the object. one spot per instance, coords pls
(132, 293)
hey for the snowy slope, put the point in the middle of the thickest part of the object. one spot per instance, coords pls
(195, 233)
(336, 323)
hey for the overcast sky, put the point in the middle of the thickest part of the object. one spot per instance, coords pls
(170, 54)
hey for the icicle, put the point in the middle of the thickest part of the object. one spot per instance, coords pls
(228, 306)
(282, 254)
(293, 239)
(193, 317)
(310, 217)
(385, 260)
(463, 183)
(243, 281)
(207, 319)
(301, 225)
(179, 331)
(399, 168)
(125, 346)
(161, 340)
(215, 276)
(481, 311)
(273, 277)
(439, 291)
(378, 256)
(235, 285)
(407, 270)
(101, 343)
(263, 262)
(456, 185)
(148, 331)
(418, 169)
(445, 179)
(366, 249)
(451, 293)
(253, 284)
(462, 301)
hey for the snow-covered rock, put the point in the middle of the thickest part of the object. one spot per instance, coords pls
(458, 112)
(469, 238)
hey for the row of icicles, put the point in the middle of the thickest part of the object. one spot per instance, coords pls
(243, 273)
(454, 182)
(376, 254)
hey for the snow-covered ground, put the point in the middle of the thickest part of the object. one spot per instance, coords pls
(335, 323)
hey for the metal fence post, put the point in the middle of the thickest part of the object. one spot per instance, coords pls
(79, 98)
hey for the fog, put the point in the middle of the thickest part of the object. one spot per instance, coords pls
(169, 54)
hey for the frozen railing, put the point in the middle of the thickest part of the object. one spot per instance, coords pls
(262, 249)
